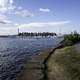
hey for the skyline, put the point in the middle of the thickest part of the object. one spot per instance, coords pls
(60, 16)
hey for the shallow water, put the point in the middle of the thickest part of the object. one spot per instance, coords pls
(14, 52)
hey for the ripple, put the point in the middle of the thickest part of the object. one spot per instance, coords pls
(14, 53)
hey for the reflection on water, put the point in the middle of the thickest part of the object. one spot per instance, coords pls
(14, 52)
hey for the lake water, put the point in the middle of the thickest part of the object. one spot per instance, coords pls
(14, 52)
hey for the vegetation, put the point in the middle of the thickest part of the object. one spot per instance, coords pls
(37, 34)
(71, 39)
(64, 64)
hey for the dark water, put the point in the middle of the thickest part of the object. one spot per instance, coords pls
(14, 52)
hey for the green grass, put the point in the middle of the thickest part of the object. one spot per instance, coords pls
(64, 64)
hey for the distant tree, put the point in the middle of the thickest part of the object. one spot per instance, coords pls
(43, 34)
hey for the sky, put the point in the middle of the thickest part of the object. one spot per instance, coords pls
(60, 16)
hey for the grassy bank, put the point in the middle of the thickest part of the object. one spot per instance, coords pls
(64, 64)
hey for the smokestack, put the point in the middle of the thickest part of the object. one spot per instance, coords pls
(18, 31)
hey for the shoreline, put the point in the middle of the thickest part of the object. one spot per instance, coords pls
(36, 68)
(64, 63)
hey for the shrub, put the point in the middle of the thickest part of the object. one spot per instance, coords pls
(72, 38)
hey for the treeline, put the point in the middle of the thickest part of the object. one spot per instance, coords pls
(37, 34)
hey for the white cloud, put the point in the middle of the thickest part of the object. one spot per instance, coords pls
(3, 3)
(7, 21)
(9, 7)
(44, 10)
(7, 30)
(43, 24)
(20, 8)
(24, 13)
(4, 19)
(6, 5)
(31, 27)
(11, 2)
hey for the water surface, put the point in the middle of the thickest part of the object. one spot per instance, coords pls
(14, 52)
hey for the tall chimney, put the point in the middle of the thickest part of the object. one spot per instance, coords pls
(18, 31)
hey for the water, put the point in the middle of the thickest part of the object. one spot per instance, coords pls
(14, 52)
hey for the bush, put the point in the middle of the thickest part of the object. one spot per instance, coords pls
(67, 43)
(71, 38)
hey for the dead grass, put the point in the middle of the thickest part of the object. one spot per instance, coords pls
(64, 64)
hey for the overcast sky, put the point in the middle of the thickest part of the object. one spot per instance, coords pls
(39, 16)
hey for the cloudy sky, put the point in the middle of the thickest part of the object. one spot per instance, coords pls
(39, 16)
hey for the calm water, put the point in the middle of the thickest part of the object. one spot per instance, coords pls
(14, 52)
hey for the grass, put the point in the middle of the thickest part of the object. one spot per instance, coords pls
(64, 64)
